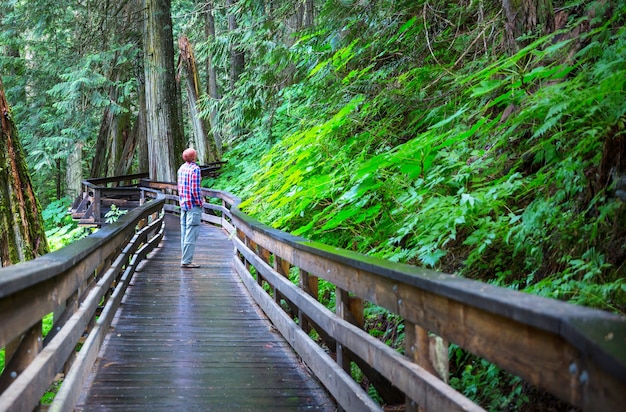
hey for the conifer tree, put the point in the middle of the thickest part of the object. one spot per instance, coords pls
(162, 116)
(22, 235)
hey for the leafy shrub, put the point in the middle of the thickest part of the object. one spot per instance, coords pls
(450, 154)
(61, 229)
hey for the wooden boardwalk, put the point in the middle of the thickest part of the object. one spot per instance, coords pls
(194, 340)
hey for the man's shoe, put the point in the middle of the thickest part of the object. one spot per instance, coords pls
(189, 266)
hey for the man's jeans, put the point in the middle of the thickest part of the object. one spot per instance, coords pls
(189, 229)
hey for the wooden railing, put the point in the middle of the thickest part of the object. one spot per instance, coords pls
(575, 353)
(99, 194)
(82, 285)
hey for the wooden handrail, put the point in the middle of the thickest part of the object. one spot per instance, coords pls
(573, 352)
(103, 181)
(71, 283)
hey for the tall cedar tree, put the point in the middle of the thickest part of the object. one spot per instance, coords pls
(22, 234)
(162, 117)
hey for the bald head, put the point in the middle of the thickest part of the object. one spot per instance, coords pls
(190, 155)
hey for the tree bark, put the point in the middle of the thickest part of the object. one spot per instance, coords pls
(237, 60)
(22, 234)
(162, 121)
(526, 17)
(127, 144)
(213, 90)
(205, 147)
(106, 145)
(119, 134)
(74, 172)
(98, 163)
(140, 130)
(309, 13)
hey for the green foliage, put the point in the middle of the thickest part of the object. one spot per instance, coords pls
(114, 214)
(486, 384)
(61, 67)
(61, 229)
(406, 132)
(374, 159)
(48, 397)
(387, 327)
(360, 377)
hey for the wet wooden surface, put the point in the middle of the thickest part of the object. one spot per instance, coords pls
(194, 340)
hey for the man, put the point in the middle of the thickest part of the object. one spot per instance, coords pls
(190, 199)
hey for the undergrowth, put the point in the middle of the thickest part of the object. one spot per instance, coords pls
(493, 174)
(61, 229)
(407, 133)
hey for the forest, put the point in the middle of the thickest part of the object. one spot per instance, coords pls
(485, 139)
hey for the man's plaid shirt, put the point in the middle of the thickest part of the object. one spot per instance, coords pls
(189, 178)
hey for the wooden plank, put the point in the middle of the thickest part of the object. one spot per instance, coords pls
(194, 339)
(69, 392)
(476, 316)
(97, 181)
(413, 380)
(347, 392)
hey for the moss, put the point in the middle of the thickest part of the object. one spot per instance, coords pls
(20, 212)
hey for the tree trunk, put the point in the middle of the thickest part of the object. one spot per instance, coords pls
(22, 234)
(213, 91)
(526, 17)
(309, 13)
(124, 160)
(237, 61)
(74, 171)
(106, 145)
(140, 131)
(118, 135)
(162, 120)
(98, 163)
(205, 147)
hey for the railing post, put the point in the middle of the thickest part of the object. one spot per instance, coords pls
(249, 244)
(21, 353)
(429, 352)
(264, 254)
(310, 285)
(224, 204)
(96, 206)
(282, 267)
(348, 308)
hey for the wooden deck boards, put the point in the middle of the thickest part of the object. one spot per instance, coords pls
(194, 340)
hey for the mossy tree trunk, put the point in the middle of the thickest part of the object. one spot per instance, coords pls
(237, 59)
(213, 88)
(22, 234)
(162, 117)
(74, 171)
(140, 131)
(207, 148)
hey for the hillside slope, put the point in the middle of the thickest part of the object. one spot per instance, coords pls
(411, 134)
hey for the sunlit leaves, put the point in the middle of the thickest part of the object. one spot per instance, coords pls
(484, 170)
